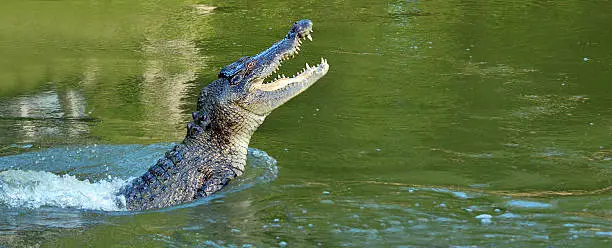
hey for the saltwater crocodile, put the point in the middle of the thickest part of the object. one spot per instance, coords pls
(229, 110)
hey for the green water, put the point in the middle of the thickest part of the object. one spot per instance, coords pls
(433, 113)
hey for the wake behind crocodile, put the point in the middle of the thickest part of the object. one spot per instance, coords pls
(90, 177)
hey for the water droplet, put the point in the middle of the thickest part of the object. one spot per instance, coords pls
(484, 216)
(485, 219)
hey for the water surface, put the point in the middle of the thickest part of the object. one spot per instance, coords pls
(440, 123)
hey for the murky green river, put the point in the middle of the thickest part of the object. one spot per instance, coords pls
(439, 124)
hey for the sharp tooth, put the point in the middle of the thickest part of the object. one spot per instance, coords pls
(284, 76)
(297, 48)
(322, 60)
(307, 66)
(309, 37)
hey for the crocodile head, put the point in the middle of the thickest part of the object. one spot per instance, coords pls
(249, 82)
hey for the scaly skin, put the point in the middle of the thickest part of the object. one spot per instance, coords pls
(229, 110)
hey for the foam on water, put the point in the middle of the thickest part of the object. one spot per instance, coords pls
(33, 189)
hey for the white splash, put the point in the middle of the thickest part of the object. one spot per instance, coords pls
(33, 189)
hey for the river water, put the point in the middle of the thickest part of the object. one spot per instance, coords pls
(439, 124)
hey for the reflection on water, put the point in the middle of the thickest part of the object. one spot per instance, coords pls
(440, 123)
(68, 104)
(166, 78)
(36, 116)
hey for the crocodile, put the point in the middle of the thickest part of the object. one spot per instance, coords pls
(229, 110)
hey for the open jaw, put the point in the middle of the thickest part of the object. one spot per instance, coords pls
(285, 49)
(307, 75)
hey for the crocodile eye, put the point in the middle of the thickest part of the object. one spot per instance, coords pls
(235, 80)
(251, 64)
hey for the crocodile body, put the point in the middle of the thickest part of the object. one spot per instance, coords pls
(229, 110)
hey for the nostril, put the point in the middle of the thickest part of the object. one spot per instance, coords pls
(302, 27)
